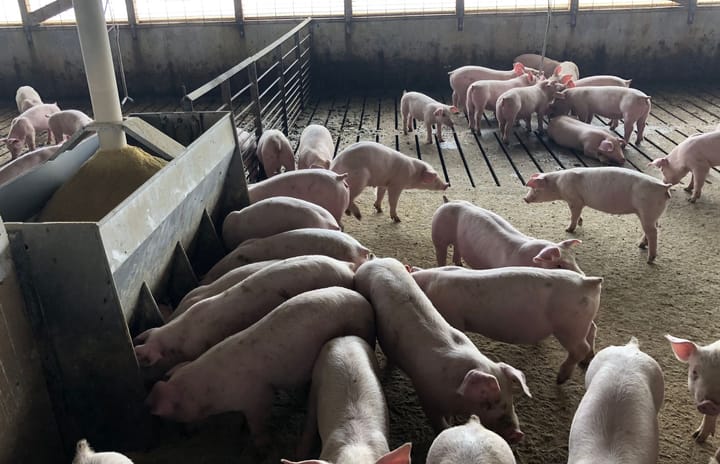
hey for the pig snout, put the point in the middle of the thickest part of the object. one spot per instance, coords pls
(709, 408)
(513, 435)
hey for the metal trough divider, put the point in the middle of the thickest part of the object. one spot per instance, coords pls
(91, 286)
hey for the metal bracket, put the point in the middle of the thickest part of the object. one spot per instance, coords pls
(574, 7)
(348, 16)
(460, 11)
(692, 6)
(239, 17)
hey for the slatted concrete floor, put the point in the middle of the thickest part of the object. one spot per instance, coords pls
(466, 159)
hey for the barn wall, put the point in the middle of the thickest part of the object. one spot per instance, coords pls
(404, 52)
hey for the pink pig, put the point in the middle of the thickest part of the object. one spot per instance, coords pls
(25, 127)
(298, 242)
(26, 97)
(212, 320)
(617, 419)
(67, 122)
(483, 95)
(84, 454)
(533, 60)
(450, 375)
(273, 216)
(601, 81)
(467, 443)
(608, 189)
(316, 147)
(344, 382)
(26, 162)
(274, 152)
(375, 165)
(485, 240)
(594, 141)
(319, 186)
(522, 103)
(521, 305)
(461, 78)
(425, 109)
(632, 105)
(696, 154)
(242, 372)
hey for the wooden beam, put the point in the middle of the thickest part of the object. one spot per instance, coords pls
(132, 17)
(48, 11)
(22, 4)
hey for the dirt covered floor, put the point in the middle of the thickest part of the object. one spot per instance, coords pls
(676, 295)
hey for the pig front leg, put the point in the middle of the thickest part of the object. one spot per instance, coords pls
(575, 219)
(428, 131)
(613, 124)
(707, 428)
(641, 129)
(699, 181)
(379, 195)
(528, 123)
(628, 130)
(457, 259)
(439, 132)
(689, 188)
(393, 198)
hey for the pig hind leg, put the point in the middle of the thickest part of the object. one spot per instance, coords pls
(578, 349)
(260, 402)
(698, 183)
(393, 198)
(650, 236)
(591, 341)
(357, 183)
(380, 194)
(707, 428)
(441, 243)
(629, 123)
(575, 217)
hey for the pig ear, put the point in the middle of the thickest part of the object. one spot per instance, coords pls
(400, 455)
(566, 79)
(548, 255)
(519, 69)
(536, 181)
(480, 386)
(309, 461)
(428, 176)
(12, 140)
(658, 162)
(606, 146)
(516, 375)
(454, 110)
(683, 349)
(571, 84)
(569, 243)
(530, 77)
(557, 70)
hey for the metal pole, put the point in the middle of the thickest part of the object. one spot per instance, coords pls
(97, 59)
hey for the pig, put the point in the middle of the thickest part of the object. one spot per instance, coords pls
(66, 123)
(273, 216)
(609, 189)
(461, 78)
(467, 443)
(26, 162)
(26, 97)
(703, 372)
(485, 240)
(616, 421)
(288, 244)
(632, 105)
(566, 68)
(521, 305)
(483, 95)
(319, 186)
(594, 141)
(274, 152)
(316, 147)
(375, 165)
(242, 372)
(545, 65)
(696, 154)
(24, 128)
(211, 320)
(423, 108)
(600, 81)
(84, 454)
(345, 381)
(223, 283)
(451, 376)
(521, 103)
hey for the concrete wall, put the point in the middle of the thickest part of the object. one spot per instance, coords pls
(412, 52)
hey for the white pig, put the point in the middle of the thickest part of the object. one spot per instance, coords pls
(594, 141)
(566, 68)
(345, 383)
(483, 95)
(273, 216)
(428, 110)
(211, 320)
(25, 127)
(696, 154)
(288, 244)
(223, 283)
(375, 165)
(26, 97)
(316, 147)
(521, 305)
(600, 81)
(26, 162)
(632, 105)
(85, 455)
(242, 372)
(547, 65)
(485, 240)
(274, 152)
(608, 189)
(67, 122)
(616, 421)
(461, 78)
(450, 375)
(319, 186)
(521, 103)
(469, 443)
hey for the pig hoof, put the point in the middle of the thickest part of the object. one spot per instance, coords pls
(570, 229)
(347, 211)
(428, 142)
(699, 436)
(395, 219)
(358, 216)
(562, 378)
(692, 200)
(642, 245)
(378, 208)
(651, 260)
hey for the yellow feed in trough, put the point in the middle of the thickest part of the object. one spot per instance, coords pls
(101, 184)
